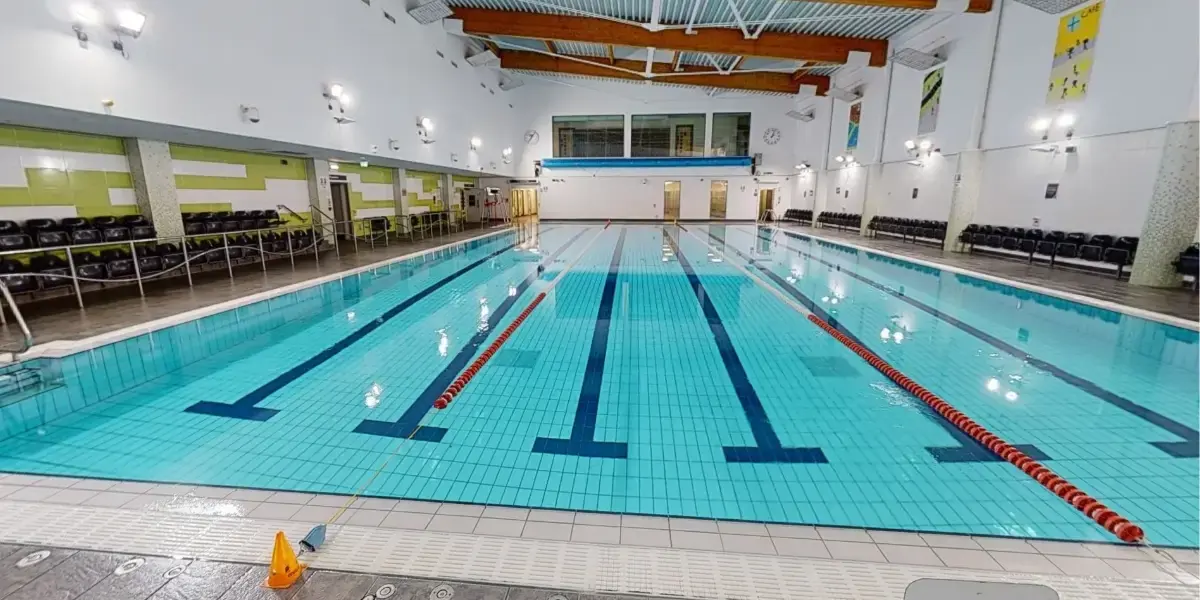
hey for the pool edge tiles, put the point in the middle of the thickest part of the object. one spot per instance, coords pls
(1132, 311)
(62, 348)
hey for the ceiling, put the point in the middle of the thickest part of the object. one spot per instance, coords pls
(779, 47)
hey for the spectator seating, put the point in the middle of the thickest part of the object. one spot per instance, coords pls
(800, 216)
(840, 220)
(1188, 264)
(914, 229)
(43, 266)
(1102, 253)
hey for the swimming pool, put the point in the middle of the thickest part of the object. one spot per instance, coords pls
(656, 378)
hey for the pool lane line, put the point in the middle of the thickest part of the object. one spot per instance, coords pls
(467, 375)
(408, 425)
(768, 448)
(247, 408)
(583, 429)
(967, 451)
(1089, 506)
(1101, 514)
(1189, 448)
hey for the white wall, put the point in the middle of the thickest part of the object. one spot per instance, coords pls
(638, 193)
(1145, 75)
(197, 62)
(621, 193)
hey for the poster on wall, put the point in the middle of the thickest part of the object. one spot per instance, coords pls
(852, 129)
(931, 102)
(1074, 52)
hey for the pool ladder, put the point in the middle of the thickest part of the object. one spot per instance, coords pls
(26, 336)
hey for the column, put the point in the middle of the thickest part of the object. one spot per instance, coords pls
(873, 199)
(1170, 224)
(320, 198)
(153, 178)
(968, 184)
(400, 198)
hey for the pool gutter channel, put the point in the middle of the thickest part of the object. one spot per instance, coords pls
(1089, 506)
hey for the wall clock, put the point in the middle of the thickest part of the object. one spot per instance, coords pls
(772, 136)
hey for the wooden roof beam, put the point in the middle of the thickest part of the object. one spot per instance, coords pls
(550, 47)
(771, 44)
(756, 81)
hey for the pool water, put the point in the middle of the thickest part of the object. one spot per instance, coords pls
(656, 378)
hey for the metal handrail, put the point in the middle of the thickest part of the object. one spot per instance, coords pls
(294, 213)
(25, 333)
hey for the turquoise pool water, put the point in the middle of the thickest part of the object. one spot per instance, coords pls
(656, 378)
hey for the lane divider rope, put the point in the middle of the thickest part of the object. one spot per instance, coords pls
(456, 387)
(1089, 506)
(1101, 514)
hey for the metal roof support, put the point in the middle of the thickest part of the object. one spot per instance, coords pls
(770, 15)
(692, 21)
(737, 14)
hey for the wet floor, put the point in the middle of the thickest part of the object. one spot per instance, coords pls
(36, 573)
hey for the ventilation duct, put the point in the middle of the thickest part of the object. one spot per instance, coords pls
(915, 59)
(1053, 7)
(430, 12)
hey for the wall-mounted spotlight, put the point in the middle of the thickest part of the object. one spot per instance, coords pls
(910, 145)
(840, 158)
(506, 154)
(125, 22)
(1063, 120)
(364, 164)
(334, 166)
(393, 144)
(476, 143)
(925, 145)
(425, 129)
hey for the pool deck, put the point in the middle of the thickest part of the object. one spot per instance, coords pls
(1175, 302)
(61, 319)
(583, 553)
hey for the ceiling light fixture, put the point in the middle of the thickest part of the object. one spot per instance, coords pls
(334, 166)
(130, 22)
(909, 144)
(476, 143)
(925, 144)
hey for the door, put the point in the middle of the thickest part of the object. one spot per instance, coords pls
(671, 201)
(717, 194)
(340, 191)
(766, 202)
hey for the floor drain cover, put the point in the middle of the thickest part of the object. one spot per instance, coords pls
(950, 589)
(442, 592)
(385, 591)
(129, 566)
(175, 571)
(32, 559)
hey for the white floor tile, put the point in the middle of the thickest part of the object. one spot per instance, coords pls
(453, 523)
(1061, 548)
(406, 520)
(632, 536)
(800, 547)
(596, 534)
(855, 551)
(641, 522)
(1138, 569)
(71, 496)
(1083, 566)
(739, 528)
(460, 510)
(290, 498)
(110, 499)
(897, 538)
(839, 534)
(272, 510)
(1023, 562)
(501, 527)
(909, 555)
(506, 512)
(700, 525)
(603, 520)
(938, 540)
(551, 516)
(249, 495)
(750, 544)
(695, 540)
(374, 504)
(547, 531)
(1005, 544)
(967, 559)
(793, 531)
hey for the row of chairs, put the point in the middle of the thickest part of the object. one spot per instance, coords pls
(908, 228)
(840, 220)
(800, 216)
(198, 223)
(1188, 263)
(48, 233)
(48, 271)
(1054, 245)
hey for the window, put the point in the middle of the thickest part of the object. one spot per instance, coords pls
(731, 134)
(589, 137)
(668, 135)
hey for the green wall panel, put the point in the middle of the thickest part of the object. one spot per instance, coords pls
(368, 174)
(271, 166)
(87, 191)
(24, 137)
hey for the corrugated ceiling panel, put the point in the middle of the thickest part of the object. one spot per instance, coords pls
(581, 49)
(568, 78)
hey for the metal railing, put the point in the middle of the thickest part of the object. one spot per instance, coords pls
(235, 248)
(26, 335)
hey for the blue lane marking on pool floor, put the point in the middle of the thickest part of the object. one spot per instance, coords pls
(968, 449)
(411, 419)
(768, 448)
(247, 408)
(583, 431)
(1189, 448)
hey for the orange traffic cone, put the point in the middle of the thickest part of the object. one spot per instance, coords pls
(285, 569)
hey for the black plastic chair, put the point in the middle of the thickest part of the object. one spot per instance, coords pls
(86, 236)
(1027, 246)
(1009, 243)
(993, 241)
(9, 228)
(73, 223)
(1077, 238)
(142, 232)
(15, 276)
(119, 263)
(1045, 248)
(171, 255)
(49, 264)
(15, 241)
(134, 220)
(193, 228)
(1066, 250)
(102, 222)
(1090, 252)
(48, 238)
(115, 234)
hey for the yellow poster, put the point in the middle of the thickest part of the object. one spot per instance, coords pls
(1074, 53)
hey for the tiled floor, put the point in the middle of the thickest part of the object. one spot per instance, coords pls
(496, 544)
(65, 574)
(1177, 302)
(61, 319)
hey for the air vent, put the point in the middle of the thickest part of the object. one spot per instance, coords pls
(430, 12)
(389, 17)
(454, 64)
(805, 116)
(915, 59)
(483, 85)
(1052, 6)
(367, 2)
(491, 91)
(439, 53)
